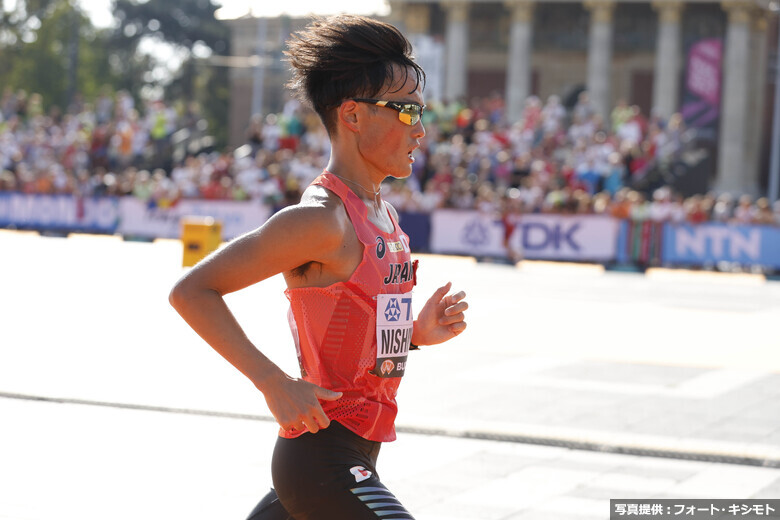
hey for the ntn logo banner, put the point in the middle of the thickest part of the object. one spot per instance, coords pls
(720, 242)
(711, 243)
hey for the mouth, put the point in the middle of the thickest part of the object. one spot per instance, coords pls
(411, 153)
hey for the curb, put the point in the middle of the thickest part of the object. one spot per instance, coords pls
(622, 448)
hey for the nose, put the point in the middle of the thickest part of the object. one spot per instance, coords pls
(418, 130)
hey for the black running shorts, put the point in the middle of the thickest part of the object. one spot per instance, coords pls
(329, 475)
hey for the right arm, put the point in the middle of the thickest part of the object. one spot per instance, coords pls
(291, 238)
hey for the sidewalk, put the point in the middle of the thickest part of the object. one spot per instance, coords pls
(555, 357)
(90, 463)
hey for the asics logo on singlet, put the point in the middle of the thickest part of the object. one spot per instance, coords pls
(380, 247)
(393, 310)
(360, 473)
(387, 366)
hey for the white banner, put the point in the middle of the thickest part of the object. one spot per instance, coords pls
(550, 237)
(138, 219)
(466, 233)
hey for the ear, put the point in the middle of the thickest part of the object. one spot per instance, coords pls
(348, 115)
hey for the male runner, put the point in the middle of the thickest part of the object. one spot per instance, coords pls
(349, 275)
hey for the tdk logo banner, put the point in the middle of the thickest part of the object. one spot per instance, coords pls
(570, 237)
(536, 236)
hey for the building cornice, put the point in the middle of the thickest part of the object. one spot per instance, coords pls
(669, 11)
(600, 10)
(522, 11)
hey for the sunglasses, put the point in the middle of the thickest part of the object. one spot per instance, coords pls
(408, 113)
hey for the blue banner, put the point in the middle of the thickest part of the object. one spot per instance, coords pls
(59, 212)
(712, 243)
(418, 227)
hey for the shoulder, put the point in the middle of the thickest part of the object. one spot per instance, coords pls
(319, 216)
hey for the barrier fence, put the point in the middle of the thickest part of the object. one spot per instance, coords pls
(590, 238)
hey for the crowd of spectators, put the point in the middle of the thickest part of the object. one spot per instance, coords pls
(552, 160)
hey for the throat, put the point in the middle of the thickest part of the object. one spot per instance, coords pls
(377, 214)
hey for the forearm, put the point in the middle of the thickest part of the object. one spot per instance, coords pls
(417, 338)
(208, 315)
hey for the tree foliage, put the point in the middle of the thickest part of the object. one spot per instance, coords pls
(182, 23)
(51, 47)
(187, 25)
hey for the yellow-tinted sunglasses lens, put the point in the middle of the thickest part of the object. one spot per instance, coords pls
(409, 114)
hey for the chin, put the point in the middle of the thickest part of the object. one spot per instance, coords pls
(403, 174)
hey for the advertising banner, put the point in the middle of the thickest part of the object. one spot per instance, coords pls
(418, 227)
(701, 100)
(466, 233)
(640, 242)
(59, 212)
(141, 219)
(549, 237)
(712, 243)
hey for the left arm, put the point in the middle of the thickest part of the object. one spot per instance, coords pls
(441, 318)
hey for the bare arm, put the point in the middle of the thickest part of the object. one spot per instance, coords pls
(442, 317)
(289, 239)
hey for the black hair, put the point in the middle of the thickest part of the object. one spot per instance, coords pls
(347, 56)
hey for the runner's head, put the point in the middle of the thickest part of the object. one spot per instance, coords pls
(348, 57)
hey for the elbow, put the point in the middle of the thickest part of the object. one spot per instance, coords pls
(181, 293)
(188, 292)
(177, 295)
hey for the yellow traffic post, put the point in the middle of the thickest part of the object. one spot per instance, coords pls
(199, 236)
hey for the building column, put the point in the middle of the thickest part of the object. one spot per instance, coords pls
(668, 54)
(397, 14)
(457, 49)
(600, 55)
(518, 79)
(757, 97)
(417, 18)
(732, 156)
(428, 53)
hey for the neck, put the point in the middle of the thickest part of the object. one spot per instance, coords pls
(371, 191)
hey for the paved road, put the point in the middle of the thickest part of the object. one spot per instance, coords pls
(677, 364)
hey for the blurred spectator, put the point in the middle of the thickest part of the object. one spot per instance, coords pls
(763, 214)
(471, 158)
(744, 213)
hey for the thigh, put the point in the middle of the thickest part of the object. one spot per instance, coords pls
(331, 475)
(269, 508)
(369, 500)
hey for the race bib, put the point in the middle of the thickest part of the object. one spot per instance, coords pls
(394, 321)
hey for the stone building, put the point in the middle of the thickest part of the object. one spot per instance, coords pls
(634, 50)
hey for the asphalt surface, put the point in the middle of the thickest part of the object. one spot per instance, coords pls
(571, 386)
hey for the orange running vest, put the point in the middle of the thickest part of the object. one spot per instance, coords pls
(336, 331)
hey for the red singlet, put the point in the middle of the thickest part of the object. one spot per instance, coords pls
(336, 328)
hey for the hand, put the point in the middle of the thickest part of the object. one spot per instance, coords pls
(295, 404)
(441, 318)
